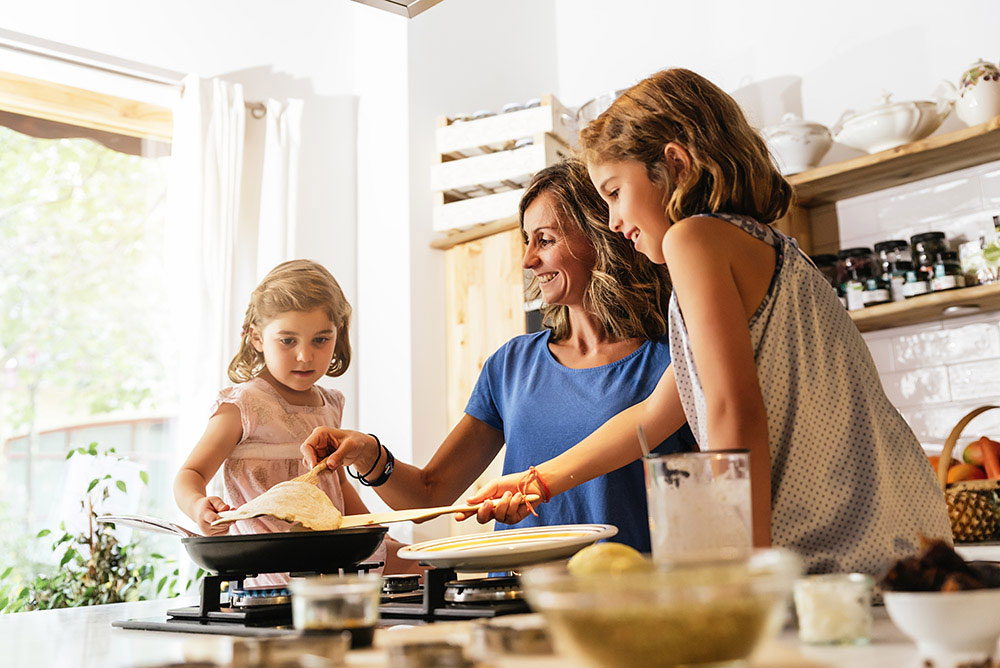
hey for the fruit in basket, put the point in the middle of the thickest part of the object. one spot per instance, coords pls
(973, 454)
(960, 472)
(934, 461)
(974, 514)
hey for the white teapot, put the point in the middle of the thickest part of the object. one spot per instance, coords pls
(798, 145)
(977, 99)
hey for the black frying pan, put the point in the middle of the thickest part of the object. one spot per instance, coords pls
(252, 554)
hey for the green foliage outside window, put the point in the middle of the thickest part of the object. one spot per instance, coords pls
(94, 567)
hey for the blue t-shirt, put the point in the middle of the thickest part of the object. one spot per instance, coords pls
(544, 408)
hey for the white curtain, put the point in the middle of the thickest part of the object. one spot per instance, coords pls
(228, 197)
(276, 234)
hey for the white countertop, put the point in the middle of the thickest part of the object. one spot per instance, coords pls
(84, 637)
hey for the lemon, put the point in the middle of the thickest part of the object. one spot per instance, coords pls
(606, 558)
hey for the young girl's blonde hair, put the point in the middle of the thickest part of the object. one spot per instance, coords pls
(296, 285)
(628, 294)
(731, 168)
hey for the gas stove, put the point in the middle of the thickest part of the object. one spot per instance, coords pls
(267, 611)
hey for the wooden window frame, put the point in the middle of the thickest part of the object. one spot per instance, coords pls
(84, 108)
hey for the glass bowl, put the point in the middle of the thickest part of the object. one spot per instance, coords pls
(706, 615)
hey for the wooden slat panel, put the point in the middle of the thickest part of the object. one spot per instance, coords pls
(76, 106)
(484, 309)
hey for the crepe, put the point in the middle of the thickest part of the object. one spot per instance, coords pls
(292, 501)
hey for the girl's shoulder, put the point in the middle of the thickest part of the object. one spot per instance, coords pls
(333, 397)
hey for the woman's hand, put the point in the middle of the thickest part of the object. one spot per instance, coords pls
(343, 446)
(206, 511)
(503, 499)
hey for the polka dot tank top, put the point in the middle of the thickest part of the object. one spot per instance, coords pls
(851, 488)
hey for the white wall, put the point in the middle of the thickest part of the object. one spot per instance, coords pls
(819, 59)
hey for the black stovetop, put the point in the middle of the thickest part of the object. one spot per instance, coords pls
(425, 604)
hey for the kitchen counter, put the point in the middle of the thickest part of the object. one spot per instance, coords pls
(84, 637)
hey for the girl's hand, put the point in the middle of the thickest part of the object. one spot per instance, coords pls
(206, 511)
(502, 500)
(344, 447)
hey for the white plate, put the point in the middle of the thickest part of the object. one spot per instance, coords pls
(507, 549)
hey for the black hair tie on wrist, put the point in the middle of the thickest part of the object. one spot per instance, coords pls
(390, 462)
(361, 478)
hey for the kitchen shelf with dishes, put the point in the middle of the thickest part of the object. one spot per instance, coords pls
(812, 218)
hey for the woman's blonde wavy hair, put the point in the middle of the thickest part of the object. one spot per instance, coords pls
(731, 168)
(296, 285)
(627, 293)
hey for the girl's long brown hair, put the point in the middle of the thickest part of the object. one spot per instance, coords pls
(627, 293)
(731, 168)
(296, 285)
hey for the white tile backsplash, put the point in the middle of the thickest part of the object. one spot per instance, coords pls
(934, 372)
(927, 385)
(950, 344)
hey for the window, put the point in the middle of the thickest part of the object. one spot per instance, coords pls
(84, 328)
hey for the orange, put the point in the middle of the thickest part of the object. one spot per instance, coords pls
(960, 472)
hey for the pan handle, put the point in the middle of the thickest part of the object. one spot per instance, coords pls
(148, 524)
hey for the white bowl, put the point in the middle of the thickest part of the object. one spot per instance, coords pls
(890, 124)
(950, 628)
(796, 144)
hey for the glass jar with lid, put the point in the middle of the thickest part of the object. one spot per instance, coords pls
(827, 265)
(893, 261)
(925, 249)
(947, 272)
(854, 269)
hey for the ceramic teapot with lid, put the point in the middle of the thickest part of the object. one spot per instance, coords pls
(797, 144)
(977, 98)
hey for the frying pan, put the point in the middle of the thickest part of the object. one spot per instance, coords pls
(252, 554)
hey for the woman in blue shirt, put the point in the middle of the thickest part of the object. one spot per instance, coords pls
(603, 349)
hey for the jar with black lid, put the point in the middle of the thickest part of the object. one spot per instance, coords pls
(893, 259)
(854, 270)
(925, 249)
(827, 265)
(947, 272)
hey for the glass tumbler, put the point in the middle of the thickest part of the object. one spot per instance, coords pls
(699, 506)
(336, 603)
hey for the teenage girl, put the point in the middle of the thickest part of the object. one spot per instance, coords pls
(764, 356)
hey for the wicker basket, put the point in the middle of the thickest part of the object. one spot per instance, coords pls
(973, 505)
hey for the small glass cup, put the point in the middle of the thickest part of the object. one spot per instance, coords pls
(834, 609)
(699, 506)
(335, 603)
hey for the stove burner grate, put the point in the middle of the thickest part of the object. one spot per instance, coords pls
(483, 590)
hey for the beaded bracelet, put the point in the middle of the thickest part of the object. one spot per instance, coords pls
(390, 462)
(360, 478)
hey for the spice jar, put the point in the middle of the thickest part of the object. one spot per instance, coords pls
(947, 272)
(925, 250)
(854, 269)
(893, 258)
(827, 264)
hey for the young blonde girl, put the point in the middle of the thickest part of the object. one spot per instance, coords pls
(295, 332)
(764, 355)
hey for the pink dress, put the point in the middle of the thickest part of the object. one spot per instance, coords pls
(268, 453)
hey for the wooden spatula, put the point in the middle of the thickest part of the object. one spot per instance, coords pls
(312, 477)
(412, 515)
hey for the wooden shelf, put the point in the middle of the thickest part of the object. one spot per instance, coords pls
(934, 306)
(446, 241)
(918, 160)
